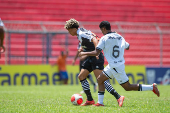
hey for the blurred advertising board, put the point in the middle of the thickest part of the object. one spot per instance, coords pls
(158, 75)
(48, 75)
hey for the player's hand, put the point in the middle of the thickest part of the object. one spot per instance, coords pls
(80, 50)
(2, 49)
(97, 57)
(80, 54)
(73, 62)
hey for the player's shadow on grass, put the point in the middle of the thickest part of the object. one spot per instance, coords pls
(124, 106)
(115, 106)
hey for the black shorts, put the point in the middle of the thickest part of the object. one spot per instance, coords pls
(91, 63)
(80, 65)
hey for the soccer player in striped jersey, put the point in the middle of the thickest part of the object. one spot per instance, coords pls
(2, 48)
(88, 42)
(82, 59)
(113, 46)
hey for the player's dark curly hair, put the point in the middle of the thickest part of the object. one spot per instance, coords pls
(105, 24)
(72, 23)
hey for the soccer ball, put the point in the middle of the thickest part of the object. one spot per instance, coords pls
(76, 99)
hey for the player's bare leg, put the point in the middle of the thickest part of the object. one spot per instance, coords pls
(65, 81)
(141, 87)
(108, 86)
(101, 89)
(100, 79)
(102, 84)
(129, 87)
(83, 74)
(85, 85)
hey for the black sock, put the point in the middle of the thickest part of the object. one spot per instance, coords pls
(116, 95)
(101, 93)
(140, 87)
(111, 90)
(88, 94)
(86, 89)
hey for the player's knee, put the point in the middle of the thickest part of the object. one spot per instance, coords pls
(99, 80)
(81, 77)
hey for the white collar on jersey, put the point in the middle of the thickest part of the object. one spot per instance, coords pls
(78, 32)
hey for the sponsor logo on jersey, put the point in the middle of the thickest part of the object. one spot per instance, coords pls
(83, 46)
(119, 38)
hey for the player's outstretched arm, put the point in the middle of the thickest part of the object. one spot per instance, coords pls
(83, 57)
(92, 53)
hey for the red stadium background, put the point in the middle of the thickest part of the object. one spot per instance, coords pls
(35, 31)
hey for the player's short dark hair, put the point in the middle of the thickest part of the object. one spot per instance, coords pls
(105, 24)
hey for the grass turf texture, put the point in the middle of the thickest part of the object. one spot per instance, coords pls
(56, 99)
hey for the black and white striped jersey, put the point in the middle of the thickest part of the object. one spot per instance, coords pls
(1, 23)
(85, 36)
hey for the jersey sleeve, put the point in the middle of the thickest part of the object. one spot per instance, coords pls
(101, 44)
(79, 45)
(1, 23)
(126, 44)
(87, 35)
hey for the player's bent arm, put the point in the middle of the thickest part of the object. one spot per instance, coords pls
(128, 47)
(92, 53)
(75, 58)
(83, 57)
(80, 49)
(1, 35)
(2, 32)
(95, 41)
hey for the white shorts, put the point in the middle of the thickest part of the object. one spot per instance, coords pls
(1, 23)
(118, 73)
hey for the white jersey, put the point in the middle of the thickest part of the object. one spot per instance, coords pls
(1, 23)
(113, 46)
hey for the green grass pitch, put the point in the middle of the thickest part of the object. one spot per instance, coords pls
(56, 99)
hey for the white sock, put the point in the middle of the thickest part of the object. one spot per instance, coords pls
(100, 97)
(147, 87)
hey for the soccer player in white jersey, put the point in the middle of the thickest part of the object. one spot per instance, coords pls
(2, 48)
(113, 46)
(89, 41)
